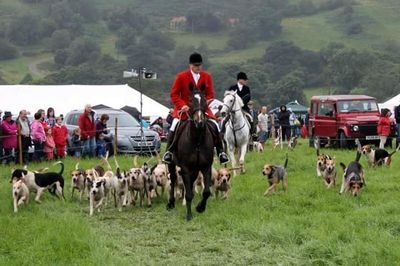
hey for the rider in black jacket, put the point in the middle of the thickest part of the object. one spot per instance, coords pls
(244, 92)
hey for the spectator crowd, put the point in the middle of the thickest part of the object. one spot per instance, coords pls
(44, 136)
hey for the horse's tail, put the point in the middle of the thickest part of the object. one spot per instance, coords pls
(286, 161)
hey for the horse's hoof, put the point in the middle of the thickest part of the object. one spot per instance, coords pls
(170, 206)
(189, 218)
(200, 208)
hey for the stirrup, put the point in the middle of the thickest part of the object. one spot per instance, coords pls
(223, 158)
(167, 157)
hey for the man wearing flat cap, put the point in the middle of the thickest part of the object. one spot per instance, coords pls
(192, 79)
(244, 92)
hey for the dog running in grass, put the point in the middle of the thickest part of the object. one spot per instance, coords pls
(39, 182)
(329, 174)
(222, 182)
(20, 193)
(353, 176)
(321, 161)
(377, 157)
(275, 174)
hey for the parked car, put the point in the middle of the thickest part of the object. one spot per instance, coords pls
(131, 138)
(340, 119)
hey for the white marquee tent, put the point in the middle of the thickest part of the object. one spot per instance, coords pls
(391, 103)
(64, 98)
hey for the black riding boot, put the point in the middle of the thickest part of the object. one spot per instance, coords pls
(167, 158)
(223, 158)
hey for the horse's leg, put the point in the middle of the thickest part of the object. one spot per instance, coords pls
(189, 176)
(243, 150)
(231, 153)
(173, 177)
(201, 207)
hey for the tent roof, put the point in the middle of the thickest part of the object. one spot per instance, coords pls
(295, 106)
(100, 106)
(390, 104)
(64, 98)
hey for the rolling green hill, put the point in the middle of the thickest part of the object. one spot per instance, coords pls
(379, 21)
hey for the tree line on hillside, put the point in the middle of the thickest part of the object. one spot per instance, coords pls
(279, 76)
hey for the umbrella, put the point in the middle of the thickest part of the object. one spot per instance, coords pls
(133, 111)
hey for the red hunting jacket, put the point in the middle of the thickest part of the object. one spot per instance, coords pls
(180, 91)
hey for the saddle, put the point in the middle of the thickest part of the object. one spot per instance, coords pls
(212, 128)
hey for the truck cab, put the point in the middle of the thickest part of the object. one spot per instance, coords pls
(340, 119)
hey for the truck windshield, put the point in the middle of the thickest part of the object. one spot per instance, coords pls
(357, 106)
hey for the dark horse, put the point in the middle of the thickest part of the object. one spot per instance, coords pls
(194, 153)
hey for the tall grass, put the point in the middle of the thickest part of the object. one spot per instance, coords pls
(306, 225)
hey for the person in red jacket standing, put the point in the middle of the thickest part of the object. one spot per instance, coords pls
(384, 127)
(196, 79)
(60, 134)
(88, 131)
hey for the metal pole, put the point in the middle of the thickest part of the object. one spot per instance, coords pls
(116, 137)
(19, 144)
(141, 111)
(273, 130)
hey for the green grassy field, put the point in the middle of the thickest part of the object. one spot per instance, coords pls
(307, 225)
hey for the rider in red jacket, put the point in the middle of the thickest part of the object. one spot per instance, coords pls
(193, 78)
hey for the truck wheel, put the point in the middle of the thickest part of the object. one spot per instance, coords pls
(342, 140)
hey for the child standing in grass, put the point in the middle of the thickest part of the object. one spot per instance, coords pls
(49, 145)
(76, 143)
(60, 134)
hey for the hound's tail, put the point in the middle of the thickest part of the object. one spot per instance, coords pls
(105, 159)
(116, 162)
(396, 150)
(358, 143)
(286, 161)
(77, 166)
(358, 156)
(343, 165)
(316, 145)
(62, 167)
(135, 162)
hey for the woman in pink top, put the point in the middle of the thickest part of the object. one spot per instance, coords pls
(38, 137)
(9, 128)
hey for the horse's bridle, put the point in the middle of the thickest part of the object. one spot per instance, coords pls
(231, 111)
(231, 107)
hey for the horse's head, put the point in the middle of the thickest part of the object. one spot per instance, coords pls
(232, 103)
(198, 106)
